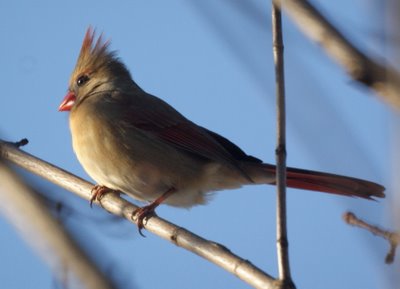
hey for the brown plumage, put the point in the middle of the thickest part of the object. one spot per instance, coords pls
(131, 141)
(93, 54)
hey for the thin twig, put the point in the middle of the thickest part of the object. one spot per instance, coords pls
(392, 237)
(281, 226)
(20, 205)
(383, 79)
(118, 206)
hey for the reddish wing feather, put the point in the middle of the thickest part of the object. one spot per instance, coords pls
(186, 136)
(158, 118)
(194, 139)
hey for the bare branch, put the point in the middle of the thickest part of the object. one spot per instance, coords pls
(281, 224)
(392, 237)
(384, 80)
(116, 205)
(47, 236)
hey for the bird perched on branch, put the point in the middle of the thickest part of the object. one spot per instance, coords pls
(133, 142)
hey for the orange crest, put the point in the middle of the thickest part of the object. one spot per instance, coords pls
(94, 53)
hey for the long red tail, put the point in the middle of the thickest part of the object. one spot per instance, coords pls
(330, 183)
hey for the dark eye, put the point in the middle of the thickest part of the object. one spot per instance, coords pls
(82, 80)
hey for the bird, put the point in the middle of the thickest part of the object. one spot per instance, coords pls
(132, 142)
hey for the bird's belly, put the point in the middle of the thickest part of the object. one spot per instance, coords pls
(144, 172)
(111, 169)
(110, 165)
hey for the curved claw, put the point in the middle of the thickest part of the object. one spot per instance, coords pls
(144, 212)
(98, 192)
(140, 214)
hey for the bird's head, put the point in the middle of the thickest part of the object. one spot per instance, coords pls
(97, 71)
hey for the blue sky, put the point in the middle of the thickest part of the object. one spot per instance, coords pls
(212, 60)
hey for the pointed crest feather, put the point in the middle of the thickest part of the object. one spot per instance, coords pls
(94, 53)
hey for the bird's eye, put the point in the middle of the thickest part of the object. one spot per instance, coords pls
(82, 80)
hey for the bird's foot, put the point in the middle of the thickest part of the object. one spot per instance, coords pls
(97, 193)
(142, 213)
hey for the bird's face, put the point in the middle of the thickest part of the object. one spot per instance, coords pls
(97, 71)
(85, 84)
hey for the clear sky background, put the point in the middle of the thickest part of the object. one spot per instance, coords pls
(212, 60)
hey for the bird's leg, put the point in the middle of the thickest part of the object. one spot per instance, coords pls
(141, 213)
(98, 192)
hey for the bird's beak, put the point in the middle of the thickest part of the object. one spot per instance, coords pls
(67, 102)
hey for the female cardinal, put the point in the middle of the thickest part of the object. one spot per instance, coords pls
(130, 141)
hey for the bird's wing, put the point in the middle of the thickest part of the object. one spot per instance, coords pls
(159, 119)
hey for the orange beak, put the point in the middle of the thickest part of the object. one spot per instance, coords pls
(67, 102)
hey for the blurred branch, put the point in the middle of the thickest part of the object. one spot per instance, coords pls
(116, 205)
(281, 223)
(384, 80)
(392, 237)
(47, 236)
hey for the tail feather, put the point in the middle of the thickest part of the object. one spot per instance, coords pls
(330, 183)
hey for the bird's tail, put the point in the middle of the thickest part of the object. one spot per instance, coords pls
(322, 182)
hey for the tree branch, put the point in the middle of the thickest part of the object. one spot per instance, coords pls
(392, 237)
(281, 225)
(384, 80)
(46, 235)
(116, 205)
